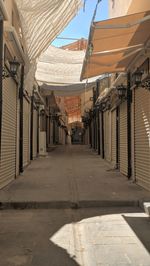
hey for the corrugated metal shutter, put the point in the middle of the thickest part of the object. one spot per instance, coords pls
(18, 138)
(26, 132)
(107, 138)
(123, 143)
(142, 137)
(113, 137)
(9, 131)
(35, 117)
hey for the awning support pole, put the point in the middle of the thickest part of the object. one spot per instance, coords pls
(1, 79)
(129, 100)
(21, 121)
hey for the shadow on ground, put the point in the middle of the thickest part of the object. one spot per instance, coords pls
(141, 227)
(29, 237)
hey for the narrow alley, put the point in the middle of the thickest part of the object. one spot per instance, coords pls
(74, 133)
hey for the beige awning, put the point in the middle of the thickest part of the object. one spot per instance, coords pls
(114, 43)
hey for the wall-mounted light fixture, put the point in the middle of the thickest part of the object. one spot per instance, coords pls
(42, 112)
(122, 91)
(146, 84)
(103, 105)
(137, 76)
(14, 65)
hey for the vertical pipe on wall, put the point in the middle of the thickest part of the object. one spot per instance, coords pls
(90, 135)
(1, 77)
(31, 127)
(47, 130)
(117, 137)
(129, 99)
(102, 134)
(49, 138)
(98, 139)
(94, 130)
(21, 120)
(53, 131)
(38, 118)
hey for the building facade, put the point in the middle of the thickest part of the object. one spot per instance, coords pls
(19, 107)
(121, 131)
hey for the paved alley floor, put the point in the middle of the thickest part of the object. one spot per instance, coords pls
(71, 209)
(72, 176)
(83, 237)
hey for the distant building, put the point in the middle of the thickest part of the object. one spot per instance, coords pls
(76, 46)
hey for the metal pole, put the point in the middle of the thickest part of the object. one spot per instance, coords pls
(38, 118)
(117, 137)
(31, 129)
(21, 121)
(1, 79)
(102, 127)
(129, 100)
(98, 139)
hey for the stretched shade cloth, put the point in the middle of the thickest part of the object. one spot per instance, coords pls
(56, 65)
(114, 43)
(66, 90)
(59, 70)
(43, 20)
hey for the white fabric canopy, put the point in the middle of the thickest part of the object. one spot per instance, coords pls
(59, 70)
(43, 20)
(66, 90)
(59, 66)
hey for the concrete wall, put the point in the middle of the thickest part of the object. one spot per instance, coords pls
(118, 8)
(122, 7)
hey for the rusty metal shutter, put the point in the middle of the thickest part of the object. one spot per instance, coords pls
(26, 132)
(113, 137)
(107, 137)
(142, 137)
(9, 132)
(35, 117)
(123, 143)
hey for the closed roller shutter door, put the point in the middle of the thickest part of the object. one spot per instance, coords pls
(123, 153)
(142, 137)
(18, 137)
(113, 137)
(26, 132)
(9, 130)
(34, 133)
(107, 140)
